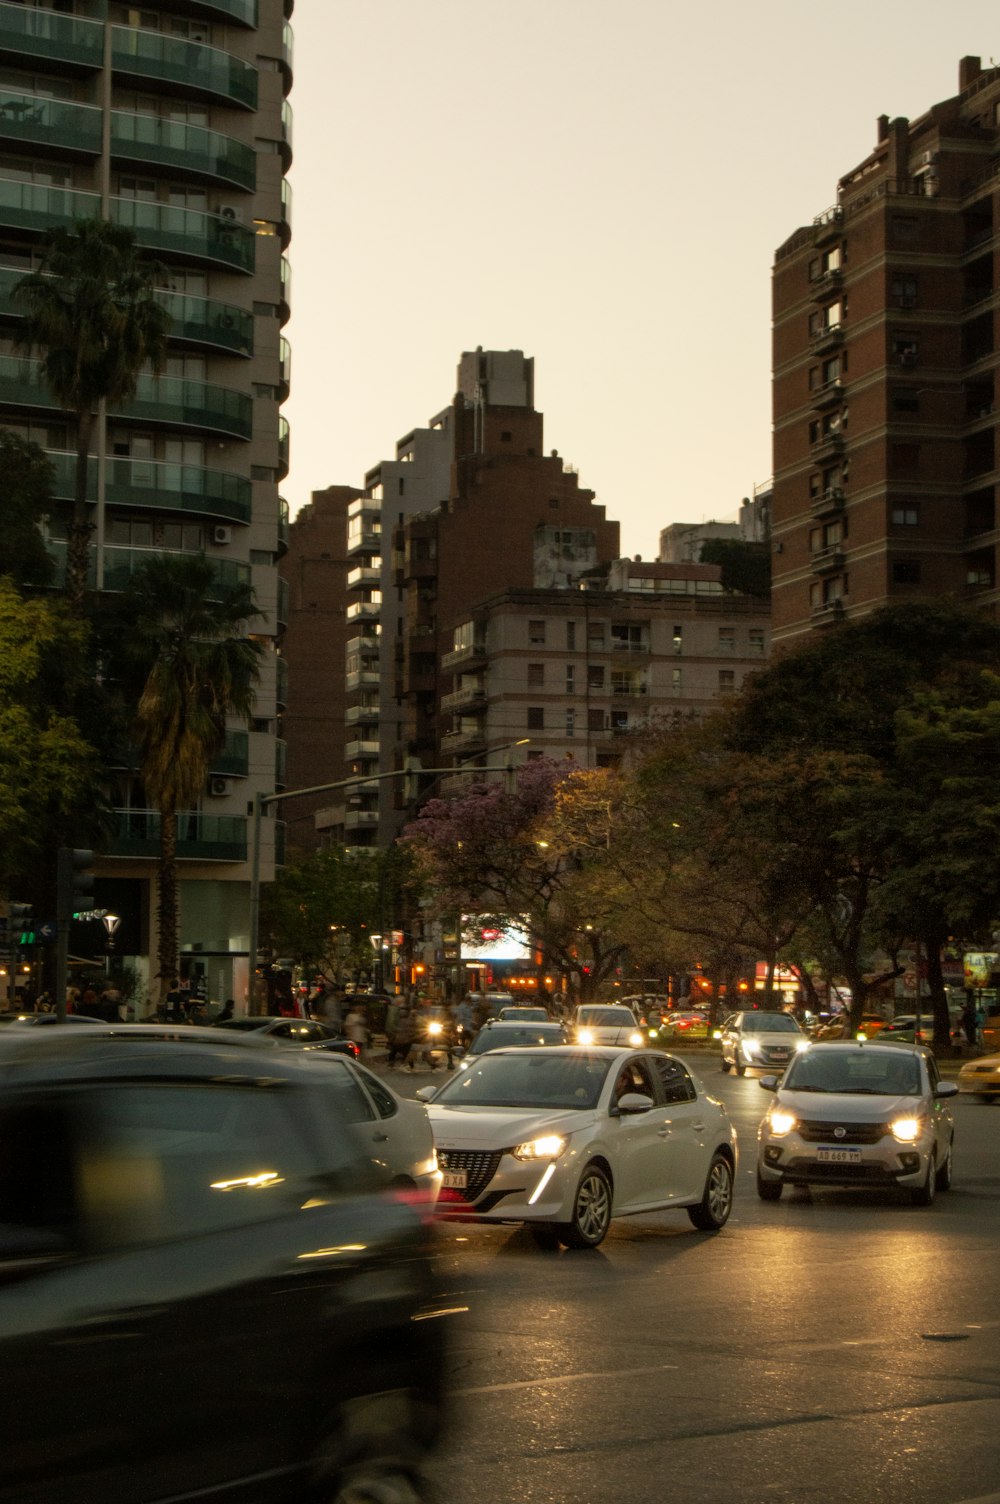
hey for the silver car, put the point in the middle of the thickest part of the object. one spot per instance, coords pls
(858, 1114)
(760, 1038)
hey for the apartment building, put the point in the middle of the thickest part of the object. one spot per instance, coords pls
(174, 121)
(885, 373)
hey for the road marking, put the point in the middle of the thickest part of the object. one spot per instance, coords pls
(568, 1378)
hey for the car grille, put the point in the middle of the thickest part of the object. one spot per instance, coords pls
(809, 1170)
(479, 1166)
(850, 1133)
(775, 1053)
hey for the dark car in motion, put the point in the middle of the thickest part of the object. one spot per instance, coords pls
(203, 1291)
(293, 1030)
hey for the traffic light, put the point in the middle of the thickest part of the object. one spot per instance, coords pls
(74, 882)
(20, 922)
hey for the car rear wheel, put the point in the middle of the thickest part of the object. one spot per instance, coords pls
(923, 1195)
(712, 1211)
(591, 1211)
(768, 1190)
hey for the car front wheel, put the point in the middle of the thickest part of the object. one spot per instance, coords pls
(739, 1065)
(923, 1195)
(944, 1169)
(712, 1211)
(591, 1211)
(768, 1190)
(726, 1065)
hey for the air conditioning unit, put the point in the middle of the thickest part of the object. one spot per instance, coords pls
(218, 787)
(231, 212)
(222, 534)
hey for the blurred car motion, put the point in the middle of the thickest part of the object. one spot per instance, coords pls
(205, 1293)
(294, 1030)
(981, 1078)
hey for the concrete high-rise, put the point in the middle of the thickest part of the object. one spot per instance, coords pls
(173, 121)
(885, 374)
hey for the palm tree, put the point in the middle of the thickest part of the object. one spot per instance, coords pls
(194, 670)
(92, 312)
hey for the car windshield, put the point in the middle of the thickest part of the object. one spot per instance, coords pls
(617, 1018)
(857, 1072)
(527, 1079)
(769, 1023)
(498, 1039)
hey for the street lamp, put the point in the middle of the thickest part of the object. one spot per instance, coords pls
(111, 923)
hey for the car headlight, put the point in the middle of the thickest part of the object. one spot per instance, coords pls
(906, 1130)
(750, 1046)
(434, 1028)
(654, 1033)
(585, 1036)
(549, 1146)
(635, 1040)
(781, 1122)
(803, 1044)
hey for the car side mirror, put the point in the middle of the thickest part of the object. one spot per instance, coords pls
(633, 1102)
(426, 1093)
(946, 1089)
(768, 1083)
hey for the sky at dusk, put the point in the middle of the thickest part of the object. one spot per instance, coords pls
(599, 183)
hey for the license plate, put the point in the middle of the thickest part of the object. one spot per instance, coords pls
(839, 1156)
(779, 1054)
(454, 1180)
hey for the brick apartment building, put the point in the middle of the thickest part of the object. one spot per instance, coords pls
(885, 367)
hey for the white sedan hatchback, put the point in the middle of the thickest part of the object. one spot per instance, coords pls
(563, 1139)
(607, 1023)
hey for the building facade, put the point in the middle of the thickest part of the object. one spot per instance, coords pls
(885, 368)
(173, 121)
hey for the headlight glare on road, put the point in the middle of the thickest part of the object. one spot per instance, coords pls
(906, 1130)
(782, 1122)
(548, 1146)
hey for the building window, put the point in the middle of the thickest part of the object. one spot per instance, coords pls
(571, 723)
(904, 456)
(906, 571)
(536, 675)
(535, 756)
(677, 680)
(906, 516)
(595, 635)
(727, 681)
(905, 399)
(570, 679)
(595, 676)
(727, 640)
(627, 636)
(678, 638)
(571, 636)
(595, 720)
(903, 291)
(553, 503)
(904, 229)
(756, 636)
(831, 370)
(905, 349)
(536, 717)
(536, 631)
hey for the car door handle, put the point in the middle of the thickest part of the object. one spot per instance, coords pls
(663, 1132)
(698, 1127)
(379, 1138)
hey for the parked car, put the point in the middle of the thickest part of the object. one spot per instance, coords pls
(858, 1114)
(203, 1289)
(761, 1039)
(607, 1023)
(564, 1139)
(981, 1078)
(294, 1030)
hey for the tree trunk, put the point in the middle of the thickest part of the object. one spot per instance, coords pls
(77, 550)
(938, 996)
(167, 903)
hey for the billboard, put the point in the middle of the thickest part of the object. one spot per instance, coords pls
(485, 940)
(979, 967)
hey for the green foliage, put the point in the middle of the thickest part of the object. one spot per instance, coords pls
(26, 488)
(746, 567)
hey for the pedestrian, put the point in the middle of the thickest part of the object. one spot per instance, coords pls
(226, 1011)
(391, 1020)
(356, 1027)
(406, 1033)
(969, 1020)
(980, 1024)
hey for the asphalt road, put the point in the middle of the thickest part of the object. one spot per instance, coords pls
(833, 1348)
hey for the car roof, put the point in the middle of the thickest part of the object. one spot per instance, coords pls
(870, 1047)
(498, 1025)
(591, 1051)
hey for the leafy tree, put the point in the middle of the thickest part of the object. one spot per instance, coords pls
(27, 497)
(746, 567)
(192, 670)
(92, 313)
(47, 769)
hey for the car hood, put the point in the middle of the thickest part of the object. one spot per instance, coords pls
(790, 1041)
(847, 1107)
(499, 1127)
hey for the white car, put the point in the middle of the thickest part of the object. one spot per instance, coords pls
(760, 1037)
(394, 1131)
(607, 1023)
(563, 1139)
(858, 1114)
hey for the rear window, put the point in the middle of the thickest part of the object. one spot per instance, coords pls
(618, 1018)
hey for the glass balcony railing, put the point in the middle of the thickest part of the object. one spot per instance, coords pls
(207, 838)
(286, 211)
(183, 232)
(285, 306)
(284, 447)
(190, 404)
(288, 51)
(243, 11)
(281, 682)
(120, 564)
(284, 526)
(287, 122)
(188, 148)
(284, 368)
(159, 484)
(234, 759)
(30, 120)
(202, 321)
(280, 763)
(149, 54)
(44, 36)
(283, 598)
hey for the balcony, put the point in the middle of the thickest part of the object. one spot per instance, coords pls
(826, 338)
(29, 120)
(829, 282)
(361, 750)
(467, 695)
(828, 501)
(167, 487)
(365, 678)
(364, 577)
(367, 646)
(287, 119)
(287, 53)
(283, 600)
(42, 36)
(206, 838)
(828, 560)
(363, 611)
(360, 819)
(285, 223)
(281, 682)
(203, 321)
(190, 67)
(828, 446)
(465, 656)
(827, 612)
(185, 233)
(284, 527)
(465, 742)
(362, 715)
(190, 149)
(280, 763)
(284, 369)
(242, 11)
(829, 395)
(284, 447)
(120, 564)
(285, 300)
